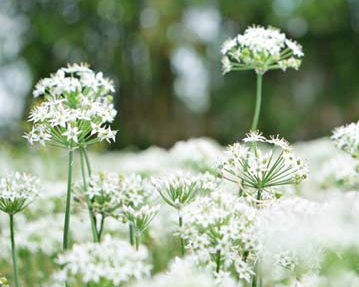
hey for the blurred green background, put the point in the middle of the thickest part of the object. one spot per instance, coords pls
(165, 60)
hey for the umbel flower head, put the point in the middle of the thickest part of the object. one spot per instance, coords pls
(112, 262)
(77, 105)
(255, 169)
(180, 189)
(219, 229)
(260, 49)
(17, 191)
(346, 138)
(3, 282)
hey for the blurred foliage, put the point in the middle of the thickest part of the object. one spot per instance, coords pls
(136, 43)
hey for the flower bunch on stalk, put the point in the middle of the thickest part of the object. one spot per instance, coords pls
(77, 104)
(260, 49)
(180, 189)
(346, 138)
(112, 262)
(17, 191)
(219, 229)
(258, 172)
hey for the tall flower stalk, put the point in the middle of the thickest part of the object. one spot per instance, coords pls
(260, 49)
(76, 107)
(17, 191)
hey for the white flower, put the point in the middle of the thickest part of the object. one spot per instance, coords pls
(257, 171)
(219, 231)
(346, 138)
(76, 106)
(17, 191)
(260, 49)
(111, 262)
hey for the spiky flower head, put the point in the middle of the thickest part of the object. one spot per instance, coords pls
(255, 169)
(181, 188)
(76, 106)
(112, 262)
(260, 49)
(17, 191)
(219, 230)
(346, 138)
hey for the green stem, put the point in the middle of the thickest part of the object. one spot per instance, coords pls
(137, 237)
(258, 102)
(87, 161)
(95, 235)
(131, 233)
(68, 203)
(218, 260)
(180, 221)
(101, 227)
(13, 251)
(259, 196)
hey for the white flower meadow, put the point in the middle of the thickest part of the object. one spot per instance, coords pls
(260, 49)
(346, 138)
(219, 230)
(109, 263)
(77, 105)
(17, 191)
(258, 171)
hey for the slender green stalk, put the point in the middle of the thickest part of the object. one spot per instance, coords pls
(258, 102)
(137, 238)
(131, 233)
(95, 235)
(182, 241)
(102, 224)
(13, 251)
(87, 161)
(68, 203)
(218, 261)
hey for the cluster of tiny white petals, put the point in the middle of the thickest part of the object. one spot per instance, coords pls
(260, 49)
(3, 282)
(140, 217)
(18, 190)
(111, 262)
(346, 138)
(255, 169)
(76, 107)
(179, 189)
(219, 228)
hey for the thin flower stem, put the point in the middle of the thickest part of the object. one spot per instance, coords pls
(101, 227)
(68, 203)
(218, 261)
(137, 238)
(13, 251)
(180, 221)
(87, 161)
(258, 102)
(131, 233)
(95, 235)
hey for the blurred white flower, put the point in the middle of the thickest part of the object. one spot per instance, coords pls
(346, 138)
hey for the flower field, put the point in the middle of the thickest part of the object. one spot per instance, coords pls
(260, 212)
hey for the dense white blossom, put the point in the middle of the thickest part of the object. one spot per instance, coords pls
(260, 49)
(76, 107)
(259, 170)
(17, 191)
(109, 263)
(179, 189)
(346, 138)
(219, 231)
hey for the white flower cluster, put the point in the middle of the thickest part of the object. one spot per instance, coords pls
(179, 189)
(256, 171)
(17, 191)
(219, 230)
(346, 138)
(76, 107)
(261, 49)
(109, 263)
